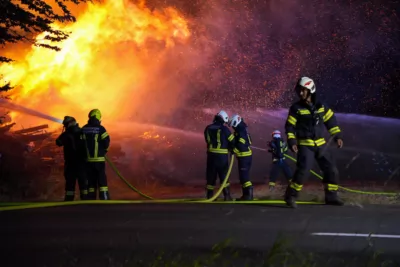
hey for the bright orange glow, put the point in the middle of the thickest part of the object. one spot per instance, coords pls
(108, 59)
(150, 135)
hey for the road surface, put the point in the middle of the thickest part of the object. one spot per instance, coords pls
(107, 235)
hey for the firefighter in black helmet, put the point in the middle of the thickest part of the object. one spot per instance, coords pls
(74, 159)
(97, 142)
(305, 124)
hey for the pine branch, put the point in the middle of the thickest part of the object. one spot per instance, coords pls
(20, 22)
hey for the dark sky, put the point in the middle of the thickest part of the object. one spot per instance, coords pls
(349, 47)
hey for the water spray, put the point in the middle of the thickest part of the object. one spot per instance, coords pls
(8, 105)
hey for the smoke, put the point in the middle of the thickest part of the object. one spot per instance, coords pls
(260, 49)
(245, 55)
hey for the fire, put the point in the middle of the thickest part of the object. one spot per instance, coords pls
(150, 135)
(112, 50)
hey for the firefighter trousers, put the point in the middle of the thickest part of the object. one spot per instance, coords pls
(217, 166)
(277, 167)
(244, 166)
(305, 159)
(73, 172)
(97, 180)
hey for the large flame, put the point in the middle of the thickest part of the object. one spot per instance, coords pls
(108, 58)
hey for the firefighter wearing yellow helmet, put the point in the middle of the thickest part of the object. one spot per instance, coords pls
(304, 126)
(97, 142)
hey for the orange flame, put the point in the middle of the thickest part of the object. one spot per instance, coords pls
(112, 50)
(149, 135)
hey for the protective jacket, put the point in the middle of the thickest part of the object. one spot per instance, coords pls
(242, 141)
(96, 139)
(277, 147)
(306, 122)
(218, 137)
(74, 150)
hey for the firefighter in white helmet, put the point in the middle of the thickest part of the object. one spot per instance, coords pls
(304, 126)
(219, 140)
(278, 147)
(244, 155)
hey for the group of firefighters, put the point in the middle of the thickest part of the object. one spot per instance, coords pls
(84, 157)
(304, 127)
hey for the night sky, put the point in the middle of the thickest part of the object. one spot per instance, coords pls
(350, 49)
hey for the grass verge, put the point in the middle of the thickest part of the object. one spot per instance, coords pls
(224, 254)
(316, 193)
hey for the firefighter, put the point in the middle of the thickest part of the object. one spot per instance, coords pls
(304, 128)
(219, 140)
(243, 153)
(97, 142)
(278, 147)
(74, 159)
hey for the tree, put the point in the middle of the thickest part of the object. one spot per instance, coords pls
(21, 20)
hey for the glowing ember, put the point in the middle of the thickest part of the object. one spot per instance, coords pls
(112, 50)
(149, 135)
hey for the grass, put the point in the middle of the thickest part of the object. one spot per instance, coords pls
(316, 193)
(118, 190)
(309, 193)
(225, 254)
(53, 190)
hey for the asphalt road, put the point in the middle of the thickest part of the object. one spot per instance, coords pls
(108, 235)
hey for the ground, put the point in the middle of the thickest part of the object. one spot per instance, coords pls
(312, 192)
(209, 234)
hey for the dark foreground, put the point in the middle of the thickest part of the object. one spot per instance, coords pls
(122, 235)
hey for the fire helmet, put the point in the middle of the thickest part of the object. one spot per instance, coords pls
(223, 115)
(305, 82)
(68, 120)
(276, 134)
(95, 113)
(235, 120)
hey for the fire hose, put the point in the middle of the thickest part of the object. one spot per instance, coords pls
(15, 206)
(149, 199)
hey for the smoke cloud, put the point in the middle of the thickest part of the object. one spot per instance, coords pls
(241, 55)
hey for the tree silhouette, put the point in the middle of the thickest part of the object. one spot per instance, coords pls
(22, 20)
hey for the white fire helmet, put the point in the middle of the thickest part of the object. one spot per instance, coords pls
(307, 83)
(223, 115)
(235, 120)
(276, 134)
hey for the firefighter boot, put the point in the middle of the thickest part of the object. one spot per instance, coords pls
(271, 186)
(290, 197)
(209, 193)
(247, 194)
(69, 198)
(84, 195)
(331, 198)
(91, 194)
(227, 194)
(104, 195)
